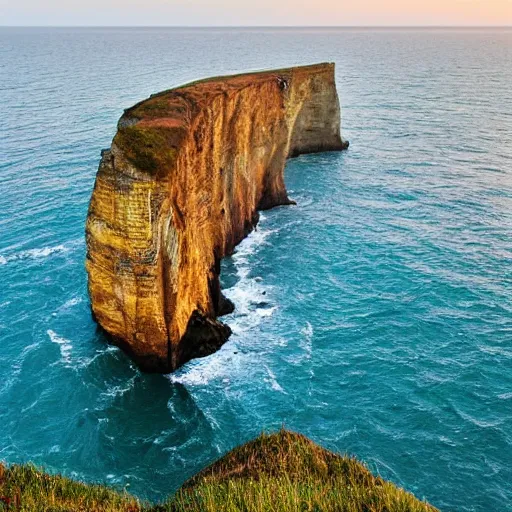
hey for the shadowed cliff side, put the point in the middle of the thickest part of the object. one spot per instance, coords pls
(180, 186)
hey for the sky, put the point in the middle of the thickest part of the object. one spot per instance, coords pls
(256, 12)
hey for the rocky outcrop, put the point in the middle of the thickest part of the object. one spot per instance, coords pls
(180, 187)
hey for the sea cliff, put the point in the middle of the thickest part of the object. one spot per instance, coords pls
(180, 187)
(282, 472)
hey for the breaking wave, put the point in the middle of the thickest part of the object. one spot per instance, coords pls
(65, 345)
(33, 254)
(251, 295)
(253, 302)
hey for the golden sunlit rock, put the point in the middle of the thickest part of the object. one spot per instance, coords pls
(180, 187)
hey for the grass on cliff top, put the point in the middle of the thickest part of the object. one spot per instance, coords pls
(149, 149)
(25, 488)
(278, 472)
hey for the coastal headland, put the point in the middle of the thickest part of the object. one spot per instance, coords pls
(181, 185)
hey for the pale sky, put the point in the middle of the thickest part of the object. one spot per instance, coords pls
(255, 12)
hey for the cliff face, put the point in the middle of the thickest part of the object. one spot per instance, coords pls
(180, 186)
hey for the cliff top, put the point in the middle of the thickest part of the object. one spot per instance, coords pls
(147, 130)
(205, 89)
(281, 472)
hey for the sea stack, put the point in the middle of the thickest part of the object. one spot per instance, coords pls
(180, 187)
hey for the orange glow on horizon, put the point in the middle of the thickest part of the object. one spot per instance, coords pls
(260, 12)
(394, 12)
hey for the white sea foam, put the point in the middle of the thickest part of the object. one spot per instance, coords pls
(72, 302)
(272, 380)
(38, 253)
(68, 305)
(251, 296)
(307, 339)
(253, 303)
(306, 344)
(117, 391)
(200, 372)
(64, 344)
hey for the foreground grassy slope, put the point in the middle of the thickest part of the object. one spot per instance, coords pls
(278, 472)
(25, 488)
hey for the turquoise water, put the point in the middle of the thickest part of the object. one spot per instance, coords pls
(375, 316)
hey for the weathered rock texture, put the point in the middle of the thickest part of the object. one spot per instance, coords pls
(180, 187)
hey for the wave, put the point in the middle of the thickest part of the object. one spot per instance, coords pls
(306, 349)
(250, 294)
(200, 372)
(65, 345)
(69, 304)
(272, 380)
(116, 391)
(72, 302)
(307, 333)
(253, 303)
(43, 252)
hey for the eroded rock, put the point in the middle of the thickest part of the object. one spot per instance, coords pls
(180, 187)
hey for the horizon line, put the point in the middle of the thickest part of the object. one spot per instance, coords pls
(267, 26)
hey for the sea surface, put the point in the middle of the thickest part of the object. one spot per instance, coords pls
(375, 316)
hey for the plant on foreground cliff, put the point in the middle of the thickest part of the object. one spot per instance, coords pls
(25, 488)
(279, 472)
(288, 472)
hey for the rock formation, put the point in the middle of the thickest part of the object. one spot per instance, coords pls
(180, 187)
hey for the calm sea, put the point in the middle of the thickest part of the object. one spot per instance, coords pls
(375, 316)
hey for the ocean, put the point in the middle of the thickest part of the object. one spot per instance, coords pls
(375, 316)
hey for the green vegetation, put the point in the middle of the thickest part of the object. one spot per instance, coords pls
(278, 472)
(153, 147)
(149, 148)
(27, 489)
(152, 107)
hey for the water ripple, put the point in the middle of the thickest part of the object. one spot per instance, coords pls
(375, 316)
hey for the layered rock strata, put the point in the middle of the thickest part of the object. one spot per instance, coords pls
(180, 187)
